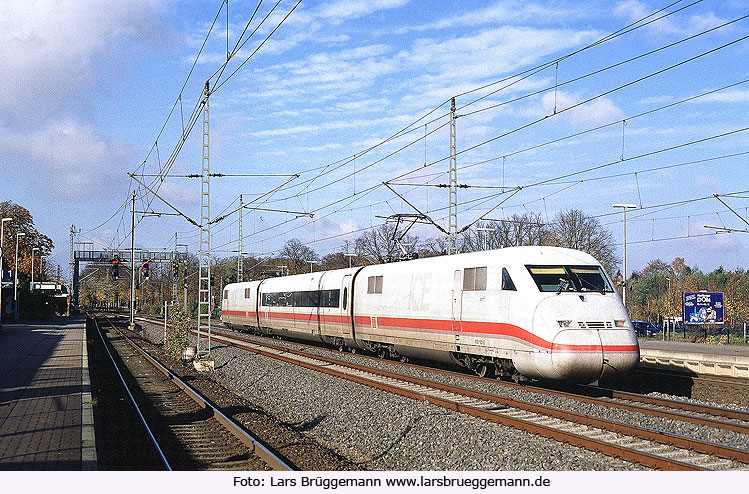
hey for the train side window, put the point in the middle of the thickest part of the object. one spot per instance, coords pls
(333, 298)
(469, 277)
(507, 283)
(246, 293)
(480, 281)
(226, 294)
(474, 279)
(324, 298)
(374, 284)
(345, 297)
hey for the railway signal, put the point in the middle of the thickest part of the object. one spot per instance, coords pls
(116, 268)
(145, 269)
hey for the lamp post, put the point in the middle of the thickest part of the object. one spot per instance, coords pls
(15, 281)
(624, 267)
(486, 233)
(311, 262)
(350, 256)
(2, 227)
(31, 287)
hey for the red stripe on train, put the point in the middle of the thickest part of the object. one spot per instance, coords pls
(476, 327)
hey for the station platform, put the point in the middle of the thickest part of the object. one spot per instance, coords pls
(697, 358)
(46, 416)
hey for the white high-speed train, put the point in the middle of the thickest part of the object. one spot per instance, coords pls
(538, 312)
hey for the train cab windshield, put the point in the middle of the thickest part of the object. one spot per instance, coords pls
(570, 279)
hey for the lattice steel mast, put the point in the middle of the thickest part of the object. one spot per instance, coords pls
(240, 258)
(453, 186)
(204, 248)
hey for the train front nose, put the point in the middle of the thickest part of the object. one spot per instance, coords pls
(584, 355)
(591, 338)
(577, 355)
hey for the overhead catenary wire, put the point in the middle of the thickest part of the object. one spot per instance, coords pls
(425, 160)
(237, 47)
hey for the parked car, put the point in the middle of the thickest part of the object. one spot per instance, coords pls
(644, 328)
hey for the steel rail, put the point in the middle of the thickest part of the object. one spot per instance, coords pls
(683, 405)
(631, 402)
(132, 400)
(494, 414)
(254, 444)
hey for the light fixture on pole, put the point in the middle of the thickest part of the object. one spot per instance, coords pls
(15, 280)
(350, 256)
(624, 241)
(486, 231)
(310, 264)
(2, 227)
(31, 287)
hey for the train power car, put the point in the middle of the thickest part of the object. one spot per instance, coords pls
(532, 312)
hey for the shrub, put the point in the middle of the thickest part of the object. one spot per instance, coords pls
(177, 332)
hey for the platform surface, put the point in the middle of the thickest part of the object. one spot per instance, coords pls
(46, 419)
(685, 347)
(700, 358)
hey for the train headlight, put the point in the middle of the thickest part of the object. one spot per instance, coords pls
(619, 323)
(564, 324)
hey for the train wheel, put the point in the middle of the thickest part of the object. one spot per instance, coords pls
(381, 352)
(485, 370)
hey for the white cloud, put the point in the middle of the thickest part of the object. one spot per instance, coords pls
(341, 10)
(71, 159)
(500, 13)
(635, 10)
(735, 96)
(597, 112)
(52, 50)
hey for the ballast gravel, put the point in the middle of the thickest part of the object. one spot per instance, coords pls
(376, 430)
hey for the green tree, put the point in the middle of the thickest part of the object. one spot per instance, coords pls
(22, 222)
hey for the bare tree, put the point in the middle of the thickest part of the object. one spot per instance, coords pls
(576, 230)
(380, 245)
(297, 255)
(525, 229)
(433, 247)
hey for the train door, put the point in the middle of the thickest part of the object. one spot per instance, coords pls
(507, 297)
(457, 305)
(345, 310)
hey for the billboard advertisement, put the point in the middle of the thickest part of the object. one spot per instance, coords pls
(702, 307)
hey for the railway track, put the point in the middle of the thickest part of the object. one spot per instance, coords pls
(655, 449)
(695, 413)
(700, 414)
(188, 432)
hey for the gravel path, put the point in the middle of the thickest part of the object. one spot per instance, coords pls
(376, 430)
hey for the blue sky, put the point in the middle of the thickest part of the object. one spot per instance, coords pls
(88, 85)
